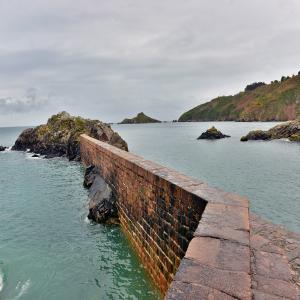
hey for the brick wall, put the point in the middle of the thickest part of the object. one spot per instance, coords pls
(175, 221)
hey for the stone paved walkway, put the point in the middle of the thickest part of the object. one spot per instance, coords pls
(275, 261)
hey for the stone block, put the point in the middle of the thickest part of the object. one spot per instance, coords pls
(183, 291)
(228, 216)
(221, 254)
(215, 195)
(271, 265)
(275, 287)
(235, 284)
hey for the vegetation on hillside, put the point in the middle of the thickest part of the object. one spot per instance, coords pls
(277, 101)
(140, 118)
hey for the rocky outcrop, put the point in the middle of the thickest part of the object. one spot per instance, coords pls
(288, 130)
(212, 134)
(256, 135)
(2, 148)
(140, 119)
(102, 202)
(60, 136)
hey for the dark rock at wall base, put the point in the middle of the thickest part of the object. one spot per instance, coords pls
(89, 176)
(212, 134)
(102, 202)
(2, 148)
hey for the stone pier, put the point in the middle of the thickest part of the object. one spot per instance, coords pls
(193, 239)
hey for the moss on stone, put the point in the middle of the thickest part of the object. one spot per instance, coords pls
(295, 138)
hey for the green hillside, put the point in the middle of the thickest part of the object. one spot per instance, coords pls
(277, 101)
(139, 119)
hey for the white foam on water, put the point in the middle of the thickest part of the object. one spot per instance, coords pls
(22, 288)
(87, 220)
(30, 154)
(1, 280)
(6, 150)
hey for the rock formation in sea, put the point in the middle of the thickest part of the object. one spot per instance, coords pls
(276, 101)
(60, 136)
(288, 130)
(139, 119)
(2, 148)
(102, 202)
(212, 134)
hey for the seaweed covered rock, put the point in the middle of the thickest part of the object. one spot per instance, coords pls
(60, 136)
(288, 130)
(102, 202)
(295, 138)
(256, 135)
(212, 134)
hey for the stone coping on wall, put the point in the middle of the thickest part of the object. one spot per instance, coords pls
(216, 264)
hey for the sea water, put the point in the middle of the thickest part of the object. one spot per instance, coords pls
(267, 172)
(48, 248)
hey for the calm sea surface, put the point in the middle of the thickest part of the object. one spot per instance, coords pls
(268, 173)
(49, 251)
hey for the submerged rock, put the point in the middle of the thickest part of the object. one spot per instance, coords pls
(288, 130)
(2, 148)
(60, 136)
(212, 134)
(35, 155)
(102, 202)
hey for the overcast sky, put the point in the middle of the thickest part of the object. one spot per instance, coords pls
(111, 59)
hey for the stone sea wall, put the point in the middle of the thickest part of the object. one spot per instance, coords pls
(193, 239)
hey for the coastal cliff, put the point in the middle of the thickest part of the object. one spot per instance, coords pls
(60, 136)
(277, 101)
(140, 119)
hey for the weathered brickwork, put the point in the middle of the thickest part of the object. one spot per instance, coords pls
(159, 216)
(192, 238)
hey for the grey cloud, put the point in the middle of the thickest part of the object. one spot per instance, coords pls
(30, 102)
(111, 59)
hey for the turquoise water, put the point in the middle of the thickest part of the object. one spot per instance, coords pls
(268, 173)
(48, 250)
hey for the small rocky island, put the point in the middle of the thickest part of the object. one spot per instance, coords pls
(60, 136)
(140, 119)
(288, 130)
(212, 134)
(2, 148)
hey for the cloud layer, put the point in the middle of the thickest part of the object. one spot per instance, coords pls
(112, 59)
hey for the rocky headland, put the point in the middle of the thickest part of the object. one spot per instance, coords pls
(212, 134)
(140, 118)
(276, 101)
(60, 136)
(288, 130)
